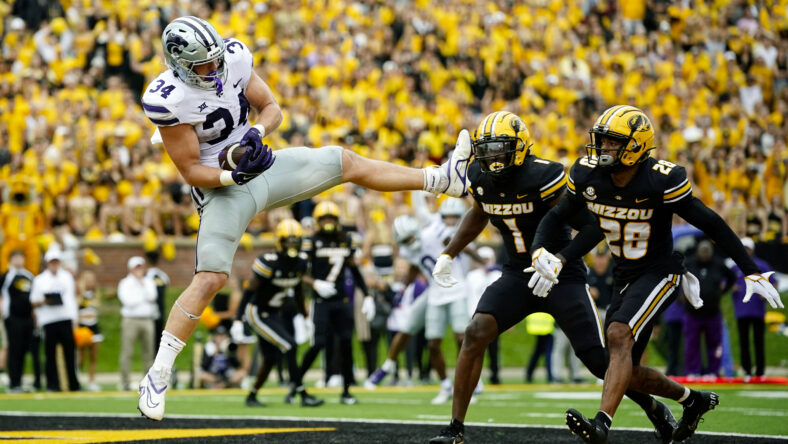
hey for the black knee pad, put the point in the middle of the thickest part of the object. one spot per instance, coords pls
(596, 359)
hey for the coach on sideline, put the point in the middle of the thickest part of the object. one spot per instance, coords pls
(137, 294)
(55, 305)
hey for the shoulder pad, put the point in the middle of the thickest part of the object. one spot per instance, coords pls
(579, 173)
(552, 179)
(162, 99)
(262, 268)
(239, 60)
(676, 185)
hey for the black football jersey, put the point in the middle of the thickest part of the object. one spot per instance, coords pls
(636, 219)
(329, 256)
(279, 276)
(516, 205)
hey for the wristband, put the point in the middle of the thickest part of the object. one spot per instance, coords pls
(261, 128)
(226, 178)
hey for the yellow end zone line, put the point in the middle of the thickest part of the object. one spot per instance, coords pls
(92, 436)
(360, 390)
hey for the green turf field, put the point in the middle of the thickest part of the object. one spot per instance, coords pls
(516, 345)
(761, 410)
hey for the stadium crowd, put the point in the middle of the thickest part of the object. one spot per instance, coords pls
(393, 80)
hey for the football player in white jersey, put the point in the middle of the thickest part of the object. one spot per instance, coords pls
(438, 306)
(201, 105)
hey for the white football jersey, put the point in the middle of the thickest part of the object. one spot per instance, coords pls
(218, 119)
(432, 245)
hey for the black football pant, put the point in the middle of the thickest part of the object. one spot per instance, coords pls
(60, 333)
(757, 327)
(20, 341)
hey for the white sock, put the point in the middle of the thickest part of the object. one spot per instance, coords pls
(432, 180)
(389, 366)
(685, 395)
(169, 347)
(446, 384)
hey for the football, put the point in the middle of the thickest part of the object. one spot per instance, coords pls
(230, 156)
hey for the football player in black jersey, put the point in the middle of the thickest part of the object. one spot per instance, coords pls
(514, 189)
(330, 253)
(633, 198)
(276, 276)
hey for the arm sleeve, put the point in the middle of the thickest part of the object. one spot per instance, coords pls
(695, 212)
(556, 218)
(359, 280)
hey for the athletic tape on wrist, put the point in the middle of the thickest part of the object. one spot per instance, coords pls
(226, 178)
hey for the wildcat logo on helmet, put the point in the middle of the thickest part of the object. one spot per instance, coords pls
(176, 44)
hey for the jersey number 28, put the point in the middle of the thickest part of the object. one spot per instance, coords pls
(635, 242)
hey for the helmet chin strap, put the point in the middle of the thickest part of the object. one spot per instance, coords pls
(218, 80)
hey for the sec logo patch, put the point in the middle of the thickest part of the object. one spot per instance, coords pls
(590, 193)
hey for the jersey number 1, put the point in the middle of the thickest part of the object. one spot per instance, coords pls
(517, 235)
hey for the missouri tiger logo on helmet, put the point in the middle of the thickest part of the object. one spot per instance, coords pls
(501, 141)
(631, 128)
(288, 235)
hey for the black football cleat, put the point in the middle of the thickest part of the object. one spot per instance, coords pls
(450, 435)
(664, 422)
(291, 395)
(693, 414)
(251, 401)
(308, 400)
(589, 430)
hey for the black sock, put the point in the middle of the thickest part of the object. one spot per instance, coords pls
(253, 393)
(690, 401)
(604, 419)
(457, 425)
(646, 402)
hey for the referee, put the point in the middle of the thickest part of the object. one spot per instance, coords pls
(55, 306)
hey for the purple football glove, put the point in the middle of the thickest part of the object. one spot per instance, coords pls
(257, 158)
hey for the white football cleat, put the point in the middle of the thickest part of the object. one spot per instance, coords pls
(454, 173)
(152, 389)
(443, 396)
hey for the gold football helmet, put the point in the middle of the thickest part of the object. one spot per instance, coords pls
(500, 141)
(631, 128)
(288, 235)
(324, 210)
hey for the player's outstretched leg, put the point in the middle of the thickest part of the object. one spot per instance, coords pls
(695, 406)
(450, 178)
(182, 321)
